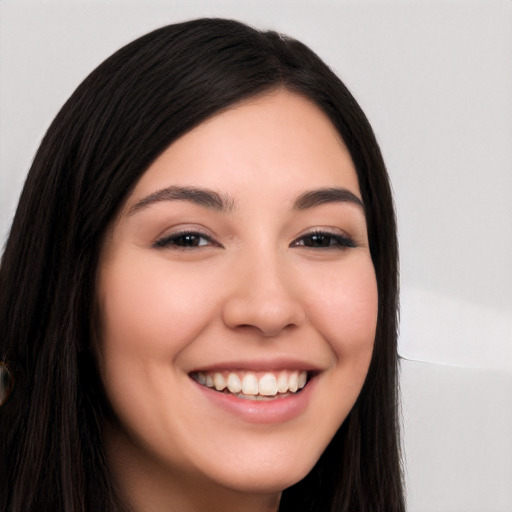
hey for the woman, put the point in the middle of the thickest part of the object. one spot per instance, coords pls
(199, 291)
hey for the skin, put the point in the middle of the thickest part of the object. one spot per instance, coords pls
(257, 288)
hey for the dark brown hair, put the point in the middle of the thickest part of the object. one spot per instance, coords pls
(113, 127)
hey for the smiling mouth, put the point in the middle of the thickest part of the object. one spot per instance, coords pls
(254, 385)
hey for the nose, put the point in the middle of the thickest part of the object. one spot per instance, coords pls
(263, 298)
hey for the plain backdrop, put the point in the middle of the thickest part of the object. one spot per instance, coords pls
(435, 79)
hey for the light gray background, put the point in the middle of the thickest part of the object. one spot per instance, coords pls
(435, 79)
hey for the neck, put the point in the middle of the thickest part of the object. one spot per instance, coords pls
(149, 485)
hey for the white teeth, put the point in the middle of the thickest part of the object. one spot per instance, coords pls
(250, 384)
(282, 382)
(303, 377)
(268, 385)
(234, 383)
(219, 381)
(293, 382)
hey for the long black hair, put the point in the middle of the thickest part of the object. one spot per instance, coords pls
(118, 121)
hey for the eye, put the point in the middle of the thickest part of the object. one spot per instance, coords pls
(324, 240)
(185, 240)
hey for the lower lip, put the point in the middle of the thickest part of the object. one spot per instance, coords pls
(278, 410)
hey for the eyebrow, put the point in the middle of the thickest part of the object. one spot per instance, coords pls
(321, 196)
(200, 196)
(224, 203)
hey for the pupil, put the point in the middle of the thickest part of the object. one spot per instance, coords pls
(190, 240)
(320, 240)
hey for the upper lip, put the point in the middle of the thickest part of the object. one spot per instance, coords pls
(259, 365)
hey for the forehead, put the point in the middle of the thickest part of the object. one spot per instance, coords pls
(279, 142)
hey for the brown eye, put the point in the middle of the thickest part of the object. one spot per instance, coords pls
(188, 240)
(324, 240)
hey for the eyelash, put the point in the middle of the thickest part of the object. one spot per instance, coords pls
(192, 236)
(335, 241)
(189, 240)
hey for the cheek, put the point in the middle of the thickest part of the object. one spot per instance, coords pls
(344, 308)
(150, 314)
(148, 318)
(148, 309)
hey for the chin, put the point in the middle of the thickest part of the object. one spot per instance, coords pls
(264, 476)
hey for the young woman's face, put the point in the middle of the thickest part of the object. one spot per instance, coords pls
(241, 259)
